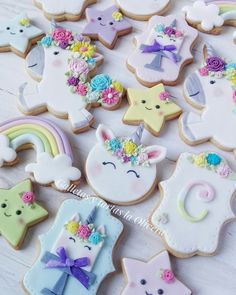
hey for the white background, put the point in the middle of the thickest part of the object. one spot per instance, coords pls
(204, 275)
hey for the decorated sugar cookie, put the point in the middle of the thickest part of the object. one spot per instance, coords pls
(54, 160)
(152, 277)
(18, 35)
(106, 25)
(234, 36)
(143, 10)
(162, 51)
(122, 170)
(68, 61)
(152, 107)
(197, 197)
(18, 212)
(212, 89)
(76, 253)
(62, 10)
(209, 16)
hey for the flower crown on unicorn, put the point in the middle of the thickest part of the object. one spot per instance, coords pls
(86, 232)
(129, 150)
(170, 30)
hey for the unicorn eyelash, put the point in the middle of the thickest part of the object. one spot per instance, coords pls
(132, 171)
(107, 163)
(73, 239)
(88, 247)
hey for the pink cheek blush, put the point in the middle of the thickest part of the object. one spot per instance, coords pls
(92, 20)
(137, 187)
(132, 285)
(95, 169)
(113, 29)
(161, 113)
(57, 63)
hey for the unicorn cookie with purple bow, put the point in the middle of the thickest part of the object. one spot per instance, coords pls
(77, 252)
(162, 51)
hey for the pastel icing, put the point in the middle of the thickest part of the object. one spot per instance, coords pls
(54, 156)
(203, 88)
(141, 10)
(152, 107)
(125, 163)
(69, 60)
(16, 34)
(106, 25)
(162, 50)
(211, 14)
(152, 277)
(74, 230)
(197, 197)
(19, 211)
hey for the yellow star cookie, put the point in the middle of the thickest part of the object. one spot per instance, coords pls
(152, 107)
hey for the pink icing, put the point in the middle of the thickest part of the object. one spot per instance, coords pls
(28, 197)
(60, 34)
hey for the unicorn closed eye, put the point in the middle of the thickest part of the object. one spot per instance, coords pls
(122, 170)
(211, 89)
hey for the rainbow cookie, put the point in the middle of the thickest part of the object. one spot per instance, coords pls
(122, 170)
(198, 198)
(18, 212)
(54, 156)
(209, 16)
(152, 277)
(63, 10)
(162, 51)
(76, 254)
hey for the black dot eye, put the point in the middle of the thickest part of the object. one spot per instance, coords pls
(18, 212)
(99, 18)
(21, 31)
(143, 282)
(160, 292)
(212, 82)
(3, 205)
(143, 101)
(56, 52)
(7, 28)
(111, 23)
(157, 106)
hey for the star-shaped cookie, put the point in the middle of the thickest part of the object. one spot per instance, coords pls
(152, 107)
(18, 211)
(106, 25)
(18, 35)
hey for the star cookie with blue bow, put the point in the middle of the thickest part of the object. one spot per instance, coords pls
(18, 35)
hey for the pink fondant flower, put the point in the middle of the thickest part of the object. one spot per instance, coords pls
(167, 276)
(28, 197)
(164, 96)
(78, 66)
(234, 96)
(142, 158)
(178, 34)
(223, 170)
(82, 89)
(60, 34)
(204, 71)
(110, 96)
(84, 231)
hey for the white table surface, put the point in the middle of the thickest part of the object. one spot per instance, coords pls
(204, 275)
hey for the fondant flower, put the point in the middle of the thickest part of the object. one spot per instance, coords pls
(24, 22)
(230, 66)
(81, 89)
(28, 197)
(164, 96)
(169, 31)
(84, 231)
(200, 160)
(213, 159)
(218, 75)
(46, 41)
(233, 80)
(133, 160)
(167, 276)
(100, 82)
(234, 96)
(118, 86)
(110, 96)
(60, 34)
(114, 144)
(117, 16)
(72, 81)
(142, 158)
(223, 170)
(78, 66)
(95, 238)
(72, 227)
(64, 44)
(215, 64)
(178, 34)
(204, 71)
(85, 49)
(159, 28)
(130, 148)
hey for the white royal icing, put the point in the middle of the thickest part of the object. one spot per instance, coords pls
(7, 153)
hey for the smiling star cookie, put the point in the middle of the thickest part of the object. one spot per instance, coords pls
(18, 35)
(18, 212)
(152, 277)
(152, 107)
(106, 25)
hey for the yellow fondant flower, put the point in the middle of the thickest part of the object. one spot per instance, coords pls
(72, 227)
(117, 16)
(24, 22)
(200, 160)
(130, 148)
(117, 86)
(233, 80)
(84, 48)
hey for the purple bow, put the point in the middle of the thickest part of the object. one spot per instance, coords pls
(74, 265)
(156, 47)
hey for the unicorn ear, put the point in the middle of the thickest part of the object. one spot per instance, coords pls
(76, 218)
(209, 51)
(103, 133)
(101, 229)
(156, 153)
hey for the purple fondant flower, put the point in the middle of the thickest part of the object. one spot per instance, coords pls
(215, 64)
(63, 44)
(169, 31)
(72, 81)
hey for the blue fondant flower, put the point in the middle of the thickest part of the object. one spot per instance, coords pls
(91, 61)
(95, 238)
(230, 66)
(159, 28)
(46, 41)
(101, 82)
(133, 160)
(213, 159)
(114, 144)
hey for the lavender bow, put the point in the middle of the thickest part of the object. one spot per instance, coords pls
(62, 261)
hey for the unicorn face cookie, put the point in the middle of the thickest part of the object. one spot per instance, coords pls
(76, 253)
(122, 170)
(197, 197)
(152, 107)
(143, 10)
(18, 35)
(152, 277)
(69, 61)
(18, 212)
(54, 163)
(106, 25)
(162, 51)
(212, 88)
(209, 16)
(63, 10)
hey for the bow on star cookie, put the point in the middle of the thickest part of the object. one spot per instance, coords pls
(18, 211)
(106, 25)
(152, 107)
(18, 35)
(152, 277)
